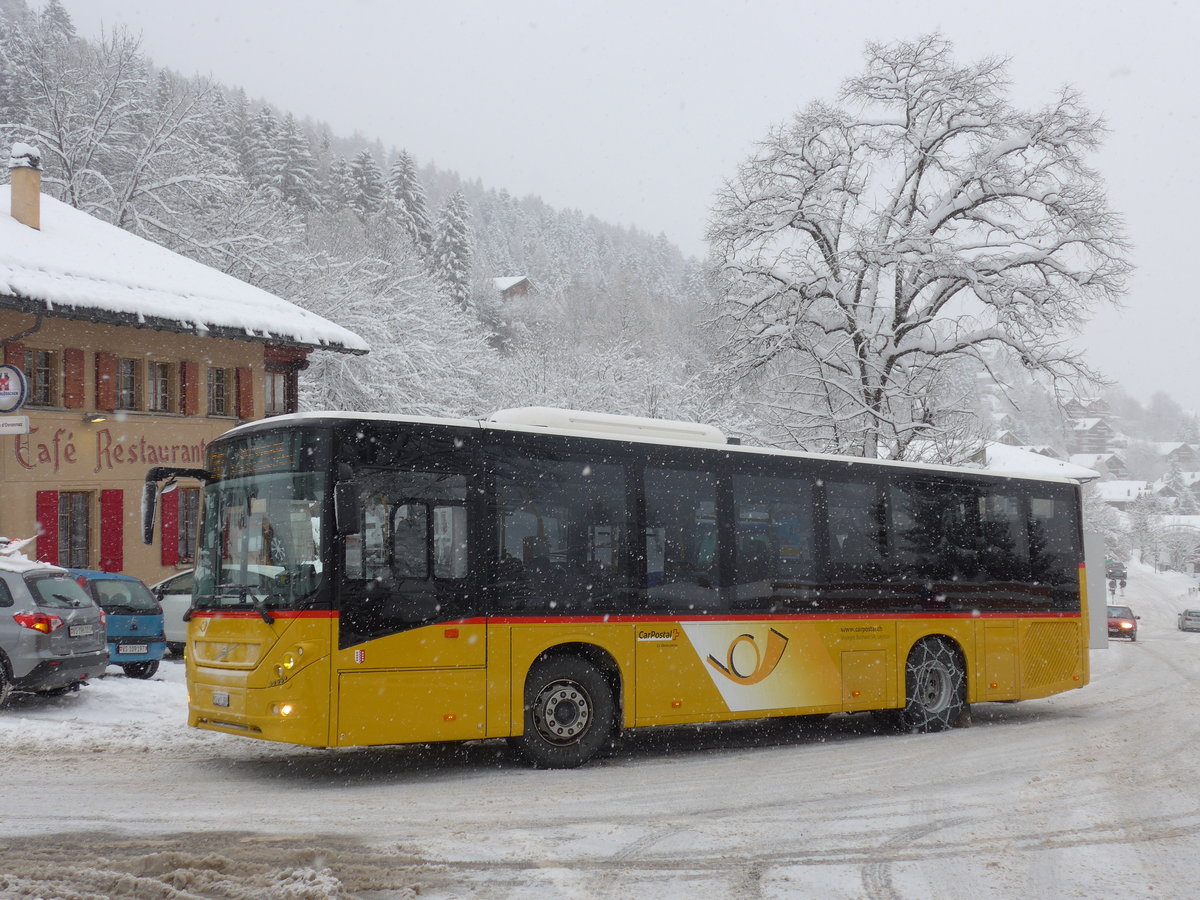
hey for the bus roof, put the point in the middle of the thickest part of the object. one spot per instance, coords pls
(606, 426)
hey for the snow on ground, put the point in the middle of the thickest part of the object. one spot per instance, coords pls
(1090, 794)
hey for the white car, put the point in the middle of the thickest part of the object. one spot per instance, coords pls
(175, 596)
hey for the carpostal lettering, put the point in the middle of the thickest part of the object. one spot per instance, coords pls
(658, 634)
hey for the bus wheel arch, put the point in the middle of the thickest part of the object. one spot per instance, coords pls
(935, 686)
(571, 706)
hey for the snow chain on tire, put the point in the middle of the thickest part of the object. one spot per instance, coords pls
(935, 688)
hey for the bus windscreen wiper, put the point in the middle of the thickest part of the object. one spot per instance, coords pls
(259, 606)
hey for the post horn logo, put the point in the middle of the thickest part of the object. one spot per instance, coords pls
(764, 664)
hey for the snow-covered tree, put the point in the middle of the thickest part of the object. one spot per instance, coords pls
(57, 21)
(452, 250)
(340, 189)
(368, 183)
(413, 209)
(865, 250)
(298, 171)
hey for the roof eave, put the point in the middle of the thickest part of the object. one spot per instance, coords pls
(159, 323)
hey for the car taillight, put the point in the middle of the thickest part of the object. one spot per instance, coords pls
(43, 622)
(103, 618)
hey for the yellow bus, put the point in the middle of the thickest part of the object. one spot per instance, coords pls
(554, 577)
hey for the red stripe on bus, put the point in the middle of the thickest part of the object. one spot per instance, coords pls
(633, 619)
(770, 617)
(254, 614)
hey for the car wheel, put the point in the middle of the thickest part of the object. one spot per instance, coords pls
(935, 688)
(141, 669)
(569, 713)
(1132, 638)
(5, 686)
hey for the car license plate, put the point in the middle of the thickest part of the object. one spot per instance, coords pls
(132, 648)
(82, 630)
(220, 698)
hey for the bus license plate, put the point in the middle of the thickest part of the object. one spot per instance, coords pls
(132, 648)
(81, 630)
(220, 698)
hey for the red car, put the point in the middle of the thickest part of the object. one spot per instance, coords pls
(1122, 622)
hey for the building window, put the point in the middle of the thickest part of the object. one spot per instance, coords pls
(74, 529)
(161, 394)
(42, 373)
(218, 392)
(189, 518)
(281, 391)
(128, 384)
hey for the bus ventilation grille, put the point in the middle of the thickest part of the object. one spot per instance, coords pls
(1051, 653)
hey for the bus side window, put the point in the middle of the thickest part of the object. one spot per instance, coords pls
(1004, 552)
(1053, 549)
(560, 529)
(855, 524)
(935, 532)
(410, 540)
(775, 552)
(682, 561)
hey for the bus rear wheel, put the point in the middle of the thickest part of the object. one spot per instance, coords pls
(569, 713)
(936, 688)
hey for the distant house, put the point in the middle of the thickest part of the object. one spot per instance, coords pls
(1188, 482)
(1087, 408)
(134, 356)
(1122, 494)
(1110, 465)
(1178, 453)
(1091, 435)
(512, 286)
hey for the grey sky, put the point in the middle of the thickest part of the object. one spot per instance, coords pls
(636, 111)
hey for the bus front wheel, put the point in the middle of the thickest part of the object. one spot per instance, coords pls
(569, 713)
(936, 688)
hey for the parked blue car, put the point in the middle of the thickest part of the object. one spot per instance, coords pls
(135, 620)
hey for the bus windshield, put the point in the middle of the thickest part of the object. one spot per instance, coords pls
(262, 533)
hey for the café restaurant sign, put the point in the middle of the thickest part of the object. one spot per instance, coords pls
(103, 450)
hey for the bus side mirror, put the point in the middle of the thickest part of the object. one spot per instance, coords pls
(347, 513)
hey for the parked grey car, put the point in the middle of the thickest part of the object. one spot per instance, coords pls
(1189, 620)
(52, 636)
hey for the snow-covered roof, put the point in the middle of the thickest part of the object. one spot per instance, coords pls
(79, 267)
(503, 284)
(1117, 491)
(1005, 458)
(1090, 460)
(1166, 448)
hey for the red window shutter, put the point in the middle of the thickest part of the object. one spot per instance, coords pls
(112, 531)
(106, 381)
(245, 392)
(73, 378)
(170, 528)
(47, 524)
(14, 355)
(189, 388)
